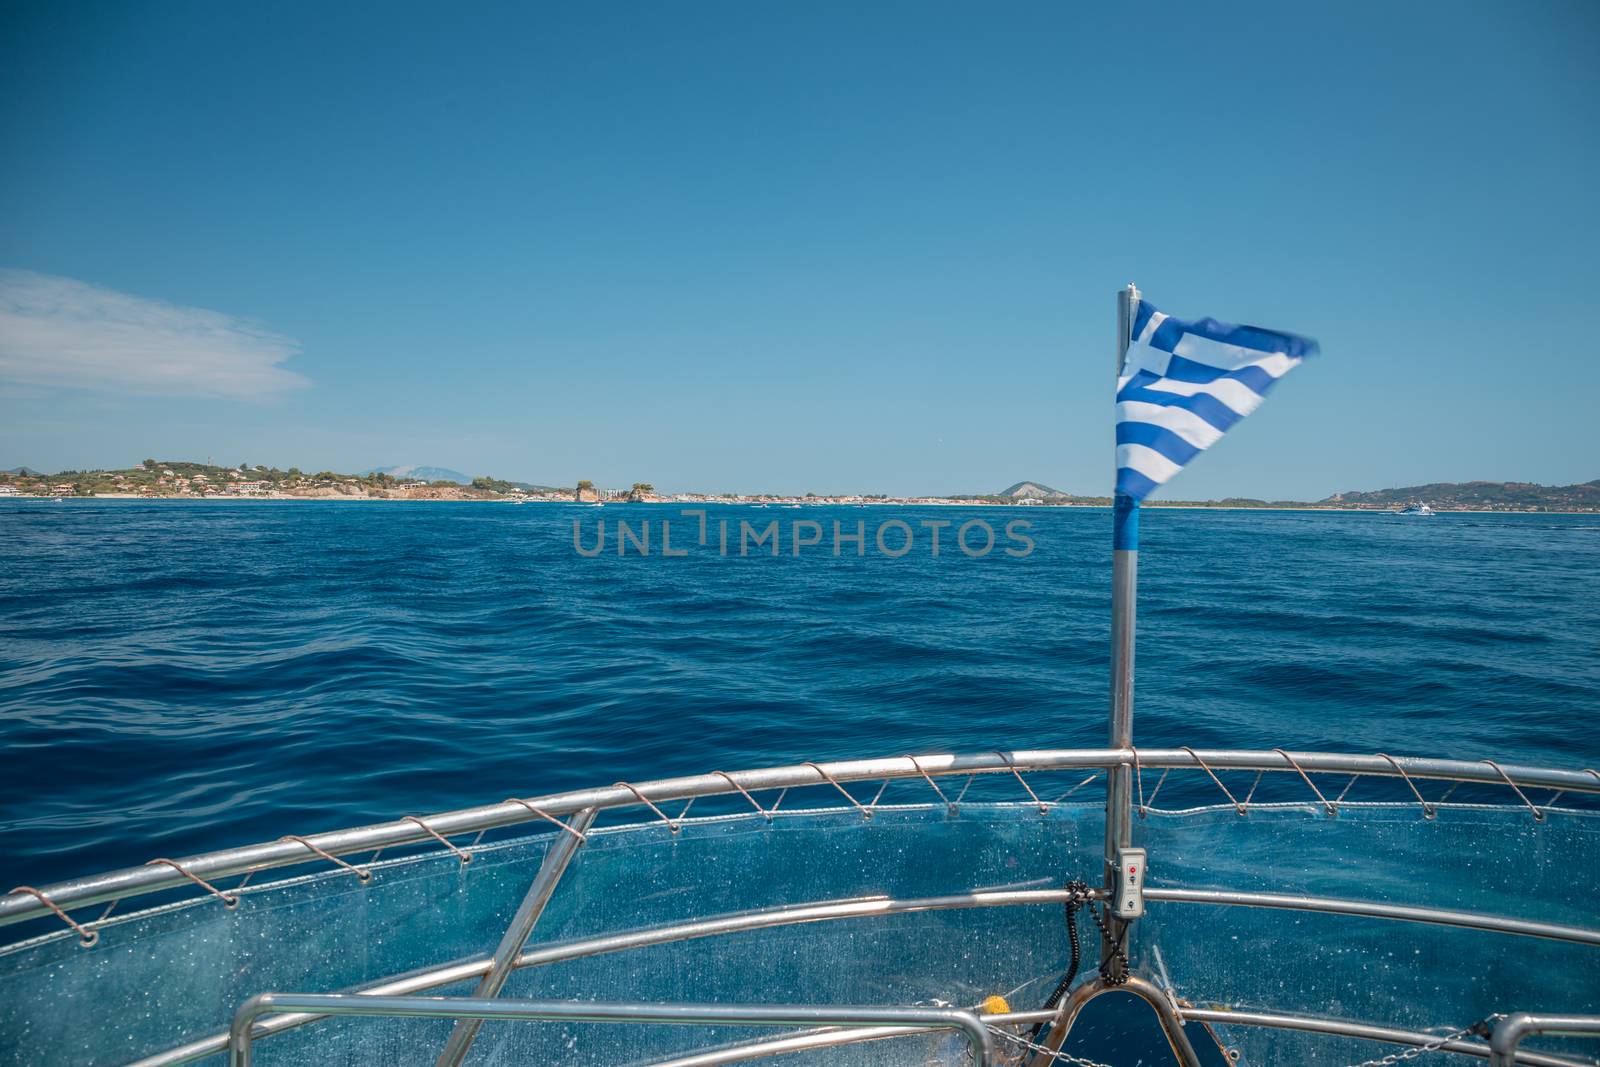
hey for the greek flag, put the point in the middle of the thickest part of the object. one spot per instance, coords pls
(1184, 383)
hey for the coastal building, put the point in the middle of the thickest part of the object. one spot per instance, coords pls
(10, 490)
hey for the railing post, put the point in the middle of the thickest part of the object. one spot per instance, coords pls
(1166, 1013)
(1509, 1032)
(562, 849)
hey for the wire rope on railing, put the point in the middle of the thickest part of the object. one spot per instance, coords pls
(1240, 808)
(1427, 809)
(86, 937)
(1011, 765)
(1075, 788)
(866, 812)
(672, 824)
(1538, 816)
(360, 872)
(725, 776)
(579, 834)
(1332, 809)
(948, 803)
(229, 900)
(464, 857)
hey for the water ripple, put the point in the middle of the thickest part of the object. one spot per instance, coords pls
(179, 677)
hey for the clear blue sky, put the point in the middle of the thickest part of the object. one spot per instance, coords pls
(795, 246)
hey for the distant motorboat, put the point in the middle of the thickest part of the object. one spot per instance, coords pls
(1415, 509)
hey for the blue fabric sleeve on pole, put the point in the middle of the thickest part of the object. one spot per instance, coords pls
(1125, 524)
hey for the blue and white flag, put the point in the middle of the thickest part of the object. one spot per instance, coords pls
(1184, 383)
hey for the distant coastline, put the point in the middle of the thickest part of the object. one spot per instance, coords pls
(891, 502)
(185, 480)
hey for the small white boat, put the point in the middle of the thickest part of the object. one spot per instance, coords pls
(1415, 509)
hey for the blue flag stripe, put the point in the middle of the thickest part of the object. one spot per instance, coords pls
(1205, 405)
(1142, 318)
(1159, 438)
(1171, 331)
(1131, 483)
(1187, 370)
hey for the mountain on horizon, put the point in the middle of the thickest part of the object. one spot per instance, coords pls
(1479, 495)
(422, 474)
(1037, 490)
(25, 472)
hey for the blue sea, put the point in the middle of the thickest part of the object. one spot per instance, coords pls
(177, 677)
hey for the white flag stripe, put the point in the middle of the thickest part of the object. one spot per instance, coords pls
(1186, 424)
(1278, 364)
(1217, 353)
(1150, 328)
(1147, 461)
(1143, 357)
(1236, 395)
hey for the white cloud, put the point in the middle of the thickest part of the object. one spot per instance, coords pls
(65, 333)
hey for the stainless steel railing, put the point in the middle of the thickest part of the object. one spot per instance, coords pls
(855, 908)
(292, 850)
(573, 813)
(241, 1036)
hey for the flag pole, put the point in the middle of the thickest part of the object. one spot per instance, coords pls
(1124, 588)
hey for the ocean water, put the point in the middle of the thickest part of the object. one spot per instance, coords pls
(176, 677)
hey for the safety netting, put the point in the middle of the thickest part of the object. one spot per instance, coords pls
(176, 974)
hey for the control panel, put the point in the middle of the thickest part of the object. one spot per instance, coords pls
(1128, 900)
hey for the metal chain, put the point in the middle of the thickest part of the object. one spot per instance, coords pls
(1479, 1029)
(1054, 1054)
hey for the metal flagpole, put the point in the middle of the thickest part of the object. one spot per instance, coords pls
(1124, 587)
(1122, 904)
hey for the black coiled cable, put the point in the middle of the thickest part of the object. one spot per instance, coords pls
(1077, 896)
